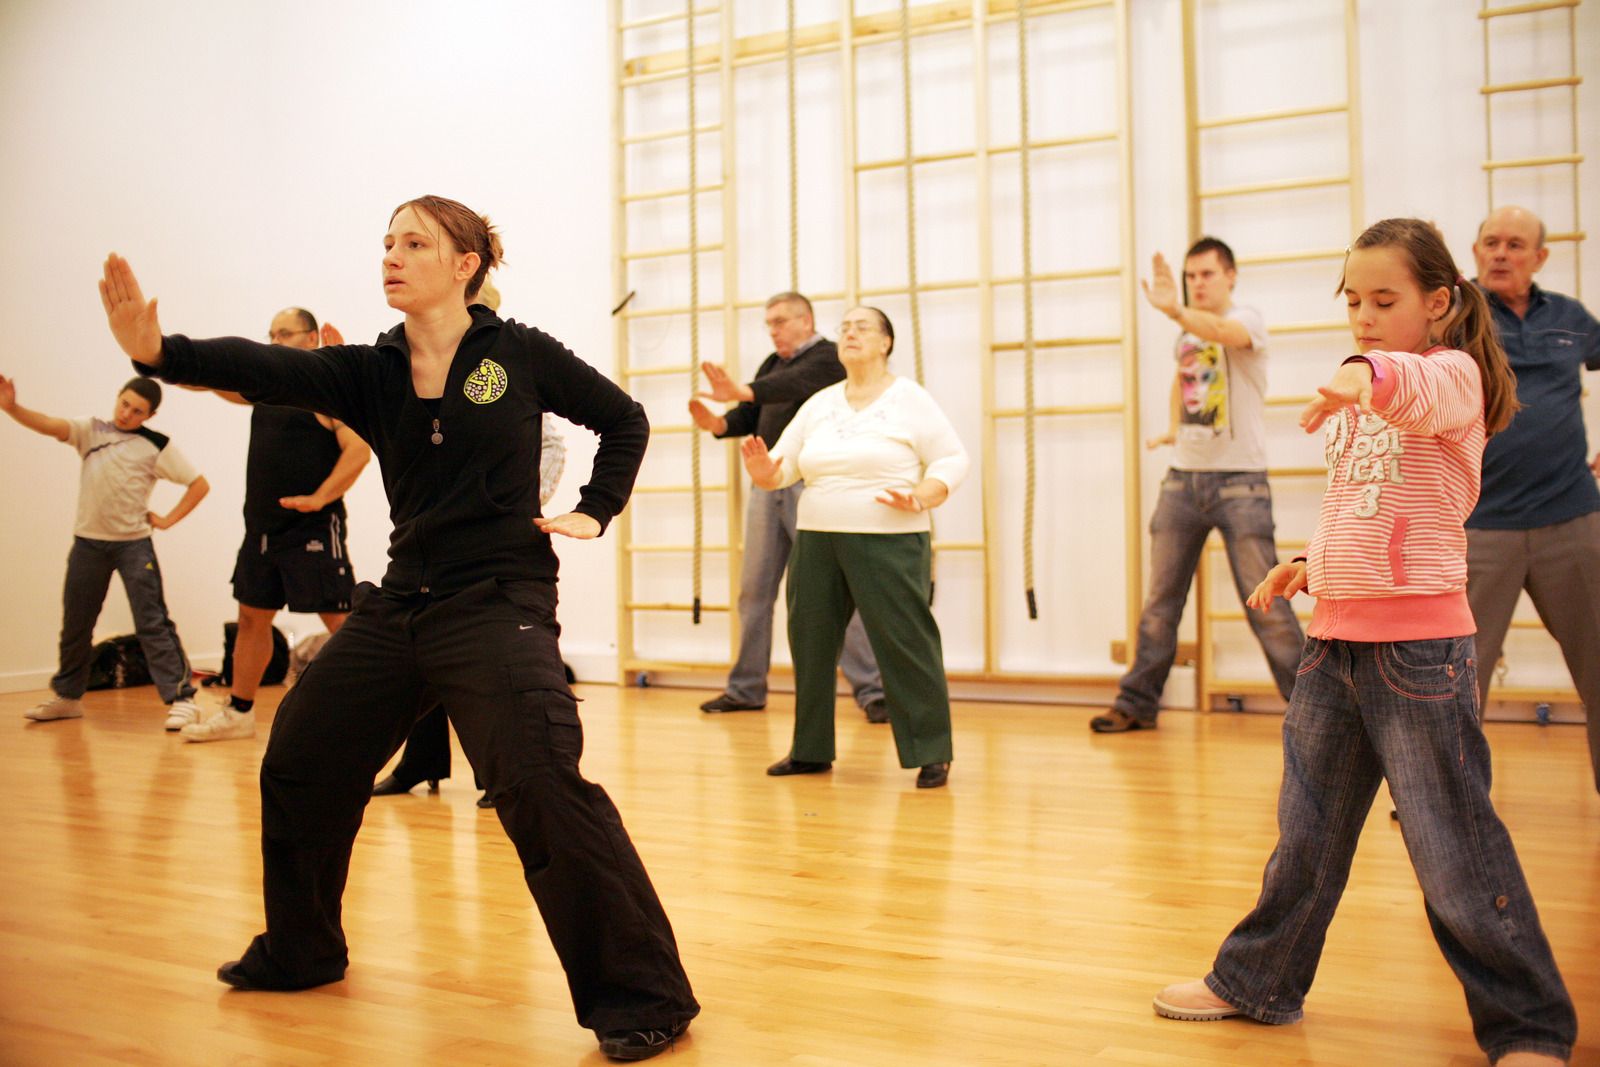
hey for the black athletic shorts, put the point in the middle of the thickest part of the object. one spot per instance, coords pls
(306, 568)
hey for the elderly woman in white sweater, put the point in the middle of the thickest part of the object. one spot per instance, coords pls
(877, 455)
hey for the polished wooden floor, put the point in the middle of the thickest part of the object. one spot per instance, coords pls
(1024, 915)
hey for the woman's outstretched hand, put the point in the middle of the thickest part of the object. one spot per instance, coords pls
(1285, 580)
(1352, 384)
(573, 524)
(133, 322)
(763, 469)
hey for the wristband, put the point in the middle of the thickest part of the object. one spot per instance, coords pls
(1377, 371)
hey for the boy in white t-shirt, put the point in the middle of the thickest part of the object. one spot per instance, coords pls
(1217, 481)
(121, 462)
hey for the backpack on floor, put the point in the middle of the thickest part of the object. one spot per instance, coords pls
(277, 667)
(118, 663)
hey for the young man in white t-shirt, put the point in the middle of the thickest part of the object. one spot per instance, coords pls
(121, 462)
(1218, 479)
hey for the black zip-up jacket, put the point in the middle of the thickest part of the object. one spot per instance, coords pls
(463, 506)
(780, 387)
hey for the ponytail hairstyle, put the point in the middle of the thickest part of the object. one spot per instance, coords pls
(469, 232)
(1468, 326)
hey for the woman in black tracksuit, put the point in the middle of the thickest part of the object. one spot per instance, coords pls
(451, 402)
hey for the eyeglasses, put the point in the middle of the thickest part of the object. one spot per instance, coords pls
(863, 326)
(278, 337)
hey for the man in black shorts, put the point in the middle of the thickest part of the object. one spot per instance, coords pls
(300, 465)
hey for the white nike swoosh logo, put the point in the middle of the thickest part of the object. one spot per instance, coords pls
(529, 627)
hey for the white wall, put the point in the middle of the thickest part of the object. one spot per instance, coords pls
(246, 157)
(246, 161)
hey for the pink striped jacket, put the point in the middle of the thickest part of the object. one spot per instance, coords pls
(1388, 561)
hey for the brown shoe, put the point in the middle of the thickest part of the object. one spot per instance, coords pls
(1117, 721)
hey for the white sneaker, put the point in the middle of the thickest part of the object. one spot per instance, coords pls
(58, 707)
(225, 725)
(181, 713)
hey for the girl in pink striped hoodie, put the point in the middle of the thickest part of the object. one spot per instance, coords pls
(1387, 687)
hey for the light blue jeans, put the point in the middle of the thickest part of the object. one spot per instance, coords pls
(1405, 712)
(771, 517)
(1193, 503)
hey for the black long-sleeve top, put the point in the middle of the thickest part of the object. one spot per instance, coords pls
(463, 487)
(780, 387)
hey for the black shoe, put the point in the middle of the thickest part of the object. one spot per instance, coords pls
(727, 703)
(256, 972)
(797, 766)
(1117, 721)
(486, 801)
(877, 710)
(641, 1044)
(393, 786)
(933, 776)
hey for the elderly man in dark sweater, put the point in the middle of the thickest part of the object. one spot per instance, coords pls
(802, 362)
(1537, 522)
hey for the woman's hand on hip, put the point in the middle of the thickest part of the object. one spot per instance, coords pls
(573, 524)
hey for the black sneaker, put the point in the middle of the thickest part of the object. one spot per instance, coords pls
(877, 710)
(641, 1044)
(727, 703)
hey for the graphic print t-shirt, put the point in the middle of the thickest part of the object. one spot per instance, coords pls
(1222, 390)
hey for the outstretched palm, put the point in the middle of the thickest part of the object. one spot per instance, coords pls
(133, 321)
(1162, 288)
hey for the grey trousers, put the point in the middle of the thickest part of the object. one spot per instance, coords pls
(769, 530)
(1559, 566)
(90, 566)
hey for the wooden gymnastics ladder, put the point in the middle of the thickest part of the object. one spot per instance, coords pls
(843, 37)
(696, 60)
(1489, 17)
(1208, 683)
(978, 17)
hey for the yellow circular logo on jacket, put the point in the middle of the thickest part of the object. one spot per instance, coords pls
(486, 384)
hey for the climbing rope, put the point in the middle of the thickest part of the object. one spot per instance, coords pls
(794, 165)
(1027, 309)
(911, 237)
(694, 317)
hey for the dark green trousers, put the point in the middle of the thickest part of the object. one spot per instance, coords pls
(885, 577)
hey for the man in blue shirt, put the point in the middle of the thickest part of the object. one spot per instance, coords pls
(1537, 523)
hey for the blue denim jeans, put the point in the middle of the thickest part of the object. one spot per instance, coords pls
(1193, 503)
(1405, 712)
(769, 530)
(90, 565)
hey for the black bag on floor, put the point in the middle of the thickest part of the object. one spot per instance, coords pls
(118, 663)
(277, 667)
